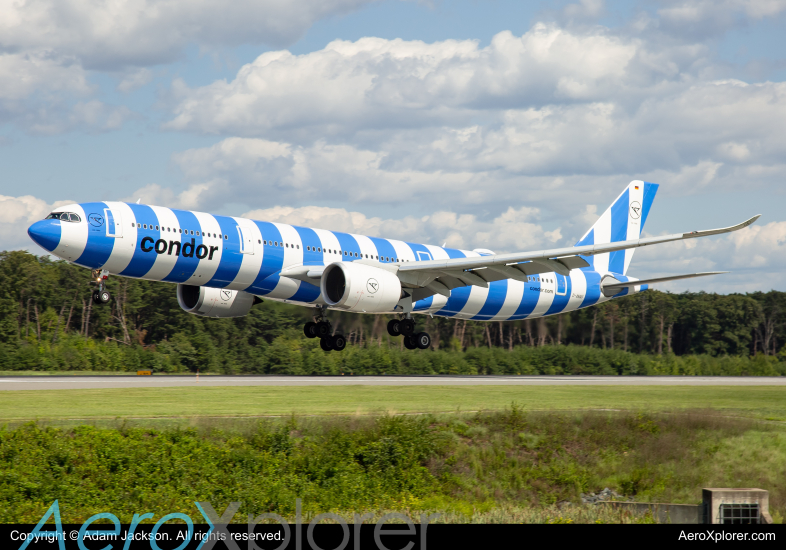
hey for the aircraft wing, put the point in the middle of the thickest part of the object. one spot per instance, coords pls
(439, 276)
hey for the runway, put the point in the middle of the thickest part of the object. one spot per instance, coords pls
(11, 383)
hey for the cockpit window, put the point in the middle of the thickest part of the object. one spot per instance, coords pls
(64, 216)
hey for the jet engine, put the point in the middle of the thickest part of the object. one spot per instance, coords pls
(215, 302)
(359, 287)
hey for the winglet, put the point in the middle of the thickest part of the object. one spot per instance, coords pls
(139, 199)
(707, 232)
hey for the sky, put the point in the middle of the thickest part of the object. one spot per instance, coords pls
(503, 125)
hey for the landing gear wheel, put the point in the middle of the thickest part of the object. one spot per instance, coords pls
(323, 329)
(104, 296)
(406, 327)
(410, 342)
(324, 343)
(338, 342)
(393, 327)
(310, 329)
(423, 340)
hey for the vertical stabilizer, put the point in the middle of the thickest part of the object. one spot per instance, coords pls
(622, 221)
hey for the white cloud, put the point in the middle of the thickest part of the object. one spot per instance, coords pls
(699, 19)
(112, 35)
(394, 117)
(22, 74)
(381, 83)
(251, 171)
(514, 230)
(49, 47)
(755, 258)
(135, 79)
(47, 94)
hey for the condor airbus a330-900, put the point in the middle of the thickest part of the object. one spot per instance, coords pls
(222, 265)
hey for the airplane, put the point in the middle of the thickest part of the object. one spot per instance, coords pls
(223, 265)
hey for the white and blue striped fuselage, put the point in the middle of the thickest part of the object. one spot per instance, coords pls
(199, 249)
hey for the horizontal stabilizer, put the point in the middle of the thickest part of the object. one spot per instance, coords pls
(613, 286)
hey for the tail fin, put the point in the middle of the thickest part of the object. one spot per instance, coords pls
(622, 221)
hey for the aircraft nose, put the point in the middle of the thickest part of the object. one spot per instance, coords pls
(46, 233)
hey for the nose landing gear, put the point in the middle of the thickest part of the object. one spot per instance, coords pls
(101, 295)
(322, 329)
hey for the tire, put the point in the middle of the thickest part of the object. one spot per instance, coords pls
(407, 327)
(393, 325)
(324, 343)
(323, 329)
(338, 342)
(423, 340)
(310, 329)
(104, 296)
(96, 299)
(410, 342)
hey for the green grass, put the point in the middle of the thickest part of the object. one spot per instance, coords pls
(754, 401)
(506, 466)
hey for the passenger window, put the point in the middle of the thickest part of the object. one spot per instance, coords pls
(287, 245)
(226, 237)
(259, 241)
(298, 246)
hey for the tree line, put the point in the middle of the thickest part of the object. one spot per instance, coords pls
(49, 322)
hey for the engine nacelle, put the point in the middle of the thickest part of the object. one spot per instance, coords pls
(359, 287)
(214, 302)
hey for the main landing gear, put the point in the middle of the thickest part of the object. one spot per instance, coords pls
(406, 328)
(322, 329)
(100, 295)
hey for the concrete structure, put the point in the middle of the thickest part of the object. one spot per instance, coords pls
(736, 506)
(720, 506)
(661, 512)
